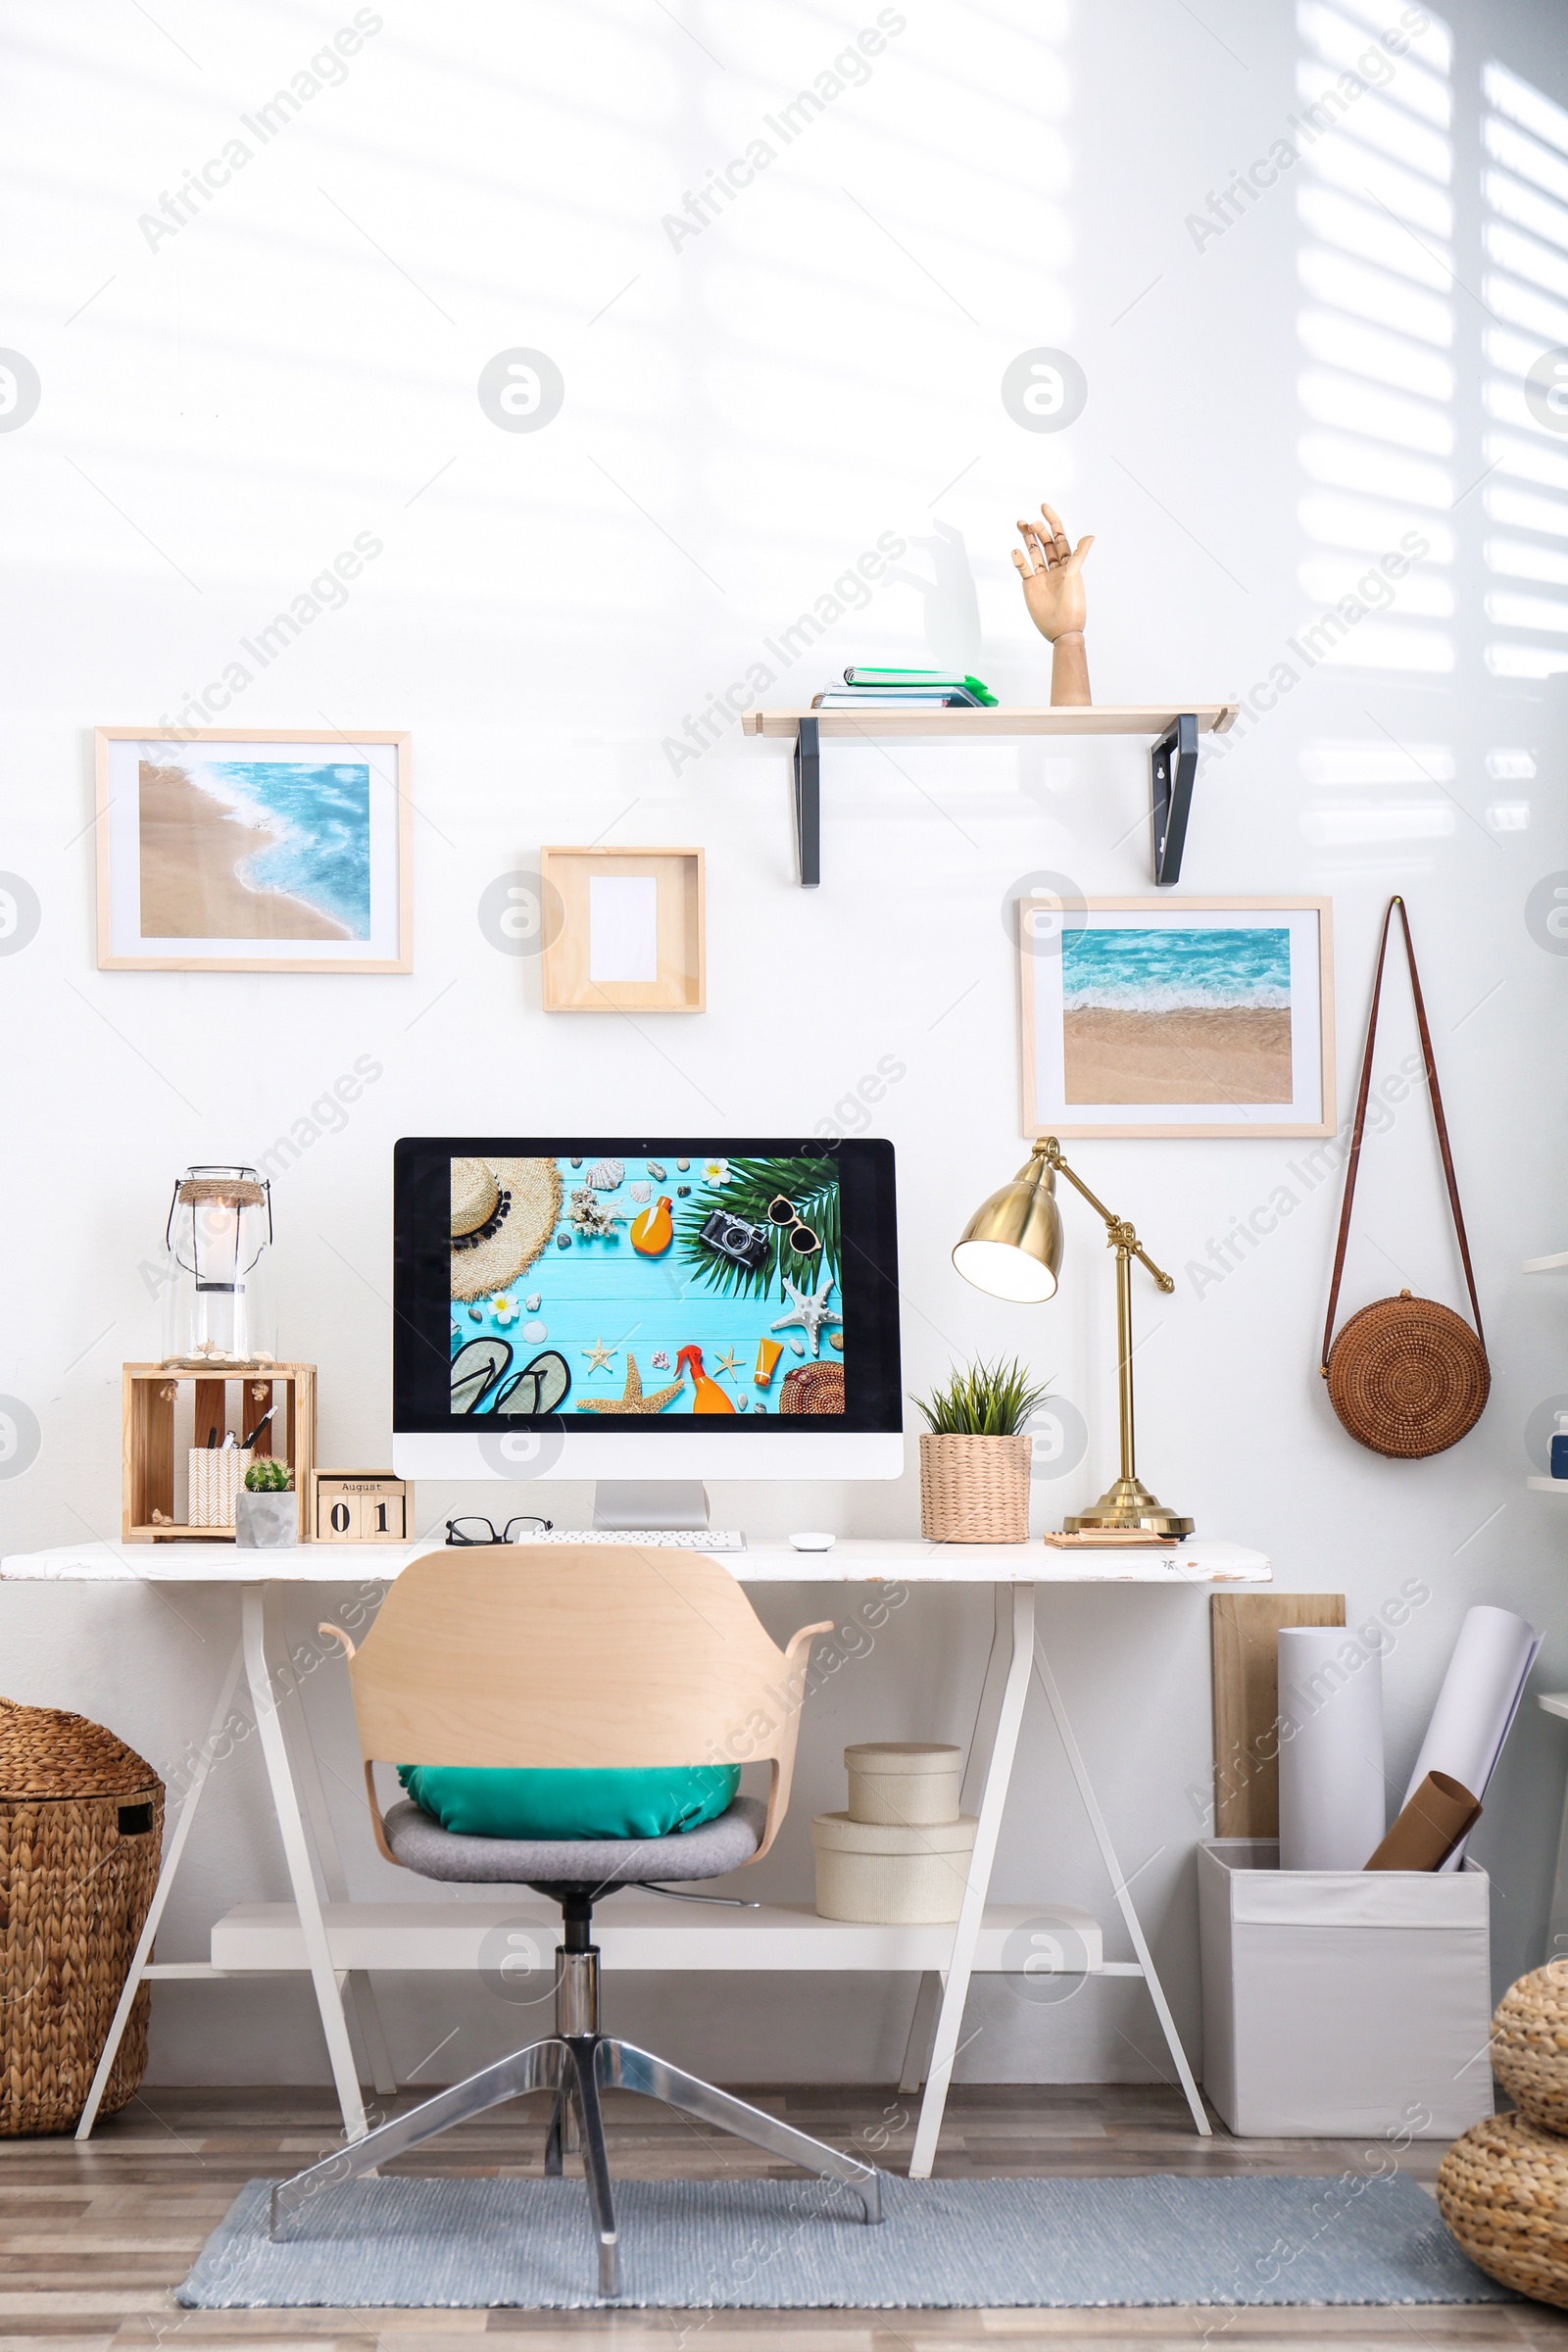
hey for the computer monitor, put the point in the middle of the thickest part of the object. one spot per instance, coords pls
(644, 1308)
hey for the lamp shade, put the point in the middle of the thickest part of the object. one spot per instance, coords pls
(1012, 1247)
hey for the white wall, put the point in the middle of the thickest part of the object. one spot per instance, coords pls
(226, 409)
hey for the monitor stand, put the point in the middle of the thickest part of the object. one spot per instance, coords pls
(649, 1502)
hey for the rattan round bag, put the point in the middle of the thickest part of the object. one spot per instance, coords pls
(1407, 1376)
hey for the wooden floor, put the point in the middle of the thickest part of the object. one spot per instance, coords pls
(94, 2239)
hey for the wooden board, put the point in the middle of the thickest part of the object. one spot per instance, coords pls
(1242, 1630)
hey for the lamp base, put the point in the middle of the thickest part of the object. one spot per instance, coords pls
(1129, 1504)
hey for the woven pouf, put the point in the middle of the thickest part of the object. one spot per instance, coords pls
(1503, 2191)
(1529, 2045)
(82, 1822)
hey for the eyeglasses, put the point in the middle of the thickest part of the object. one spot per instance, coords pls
(802, 1241)
(481, 1531)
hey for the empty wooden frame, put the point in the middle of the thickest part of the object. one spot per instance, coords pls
(625, 931)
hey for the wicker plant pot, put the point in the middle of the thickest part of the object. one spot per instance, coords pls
(974, 1490)
(82, 1819)
(1503, 2191)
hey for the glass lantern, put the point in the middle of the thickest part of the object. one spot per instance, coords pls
(219, 1307)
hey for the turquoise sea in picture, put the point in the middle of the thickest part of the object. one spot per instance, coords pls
(320, 816)
(1196, 1016)
(1174, 971)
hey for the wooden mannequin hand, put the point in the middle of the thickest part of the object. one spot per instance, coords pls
(1052, 572)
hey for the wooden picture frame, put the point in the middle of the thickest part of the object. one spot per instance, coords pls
(639, 946)
(302, 863)
(1223, 1008)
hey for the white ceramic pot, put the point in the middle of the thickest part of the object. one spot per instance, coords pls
(891, 1876)
(904, 1780)
(267, 1521)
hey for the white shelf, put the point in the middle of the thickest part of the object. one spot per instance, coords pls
(633, 1931)
(1084, 718)
(1547, 1486)
(1557, 1265)
(1554, 1702)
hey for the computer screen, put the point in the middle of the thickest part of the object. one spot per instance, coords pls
(680, 1307)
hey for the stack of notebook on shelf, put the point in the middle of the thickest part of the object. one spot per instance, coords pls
(904, 690)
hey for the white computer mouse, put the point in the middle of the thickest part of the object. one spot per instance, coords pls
(812, 1542)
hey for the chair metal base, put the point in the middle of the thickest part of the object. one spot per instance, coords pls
(577, 2067)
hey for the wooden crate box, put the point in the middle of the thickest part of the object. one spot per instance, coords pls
(156, 1397)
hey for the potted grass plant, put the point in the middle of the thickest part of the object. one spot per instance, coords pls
(974, 1454)
(266, 1508)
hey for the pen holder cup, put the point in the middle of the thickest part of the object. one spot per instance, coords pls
(217, 1475)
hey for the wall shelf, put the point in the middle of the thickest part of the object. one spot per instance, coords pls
(1557, 1265)
(1172, 731)
(1547, 1486)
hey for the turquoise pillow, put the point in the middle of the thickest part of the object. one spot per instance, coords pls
(656, 1802)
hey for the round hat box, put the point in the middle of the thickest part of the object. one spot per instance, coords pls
(904, 1780)
(890, 1875)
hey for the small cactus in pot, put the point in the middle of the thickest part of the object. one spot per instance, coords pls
(265, 1509)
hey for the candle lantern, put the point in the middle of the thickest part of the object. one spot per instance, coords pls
(218, 1307)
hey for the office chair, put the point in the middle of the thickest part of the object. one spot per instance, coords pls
(573, 1657)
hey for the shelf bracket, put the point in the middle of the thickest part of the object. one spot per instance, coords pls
(1173, 766)
(808, 803)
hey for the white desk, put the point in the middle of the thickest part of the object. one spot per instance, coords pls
(339, 1943)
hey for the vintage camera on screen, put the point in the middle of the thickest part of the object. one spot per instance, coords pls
(735, 1239)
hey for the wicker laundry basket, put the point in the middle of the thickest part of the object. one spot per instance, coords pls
(81, 1821)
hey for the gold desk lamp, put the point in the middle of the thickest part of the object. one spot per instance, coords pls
(1012, 1247)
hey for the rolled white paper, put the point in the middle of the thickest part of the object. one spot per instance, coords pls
(1333, 1798)
(1478, 1703)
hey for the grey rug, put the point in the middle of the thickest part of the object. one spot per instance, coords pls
(781, 2245)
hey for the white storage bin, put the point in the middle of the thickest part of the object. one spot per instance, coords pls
(890, 1875)
(1341, 2003)
(901, 1780)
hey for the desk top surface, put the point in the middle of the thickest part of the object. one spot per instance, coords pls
(854, 1559)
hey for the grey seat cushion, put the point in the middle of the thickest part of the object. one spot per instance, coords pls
(706, 1853)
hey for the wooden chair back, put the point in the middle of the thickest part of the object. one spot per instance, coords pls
(566, 1656)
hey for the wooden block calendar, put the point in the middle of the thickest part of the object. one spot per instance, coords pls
(359, 1506)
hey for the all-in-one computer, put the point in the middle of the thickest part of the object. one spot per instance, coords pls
(646, 1311)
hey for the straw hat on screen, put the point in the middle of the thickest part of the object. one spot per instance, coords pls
(503, 1214)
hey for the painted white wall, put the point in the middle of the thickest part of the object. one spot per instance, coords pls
(225, 407)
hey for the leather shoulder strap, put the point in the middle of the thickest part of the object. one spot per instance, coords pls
(1359, 1126)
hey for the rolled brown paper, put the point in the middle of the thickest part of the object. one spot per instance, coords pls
(1438, 1816)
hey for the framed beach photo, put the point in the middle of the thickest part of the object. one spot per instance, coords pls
(1177, 1016)
(253, 850)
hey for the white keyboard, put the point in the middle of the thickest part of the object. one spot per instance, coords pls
(671, 1539)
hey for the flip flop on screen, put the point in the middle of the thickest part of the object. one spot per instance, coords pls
(475, 1369)
(538, 1388)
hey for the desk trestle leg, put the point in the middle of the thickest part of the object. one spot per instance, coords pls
(161, 1894)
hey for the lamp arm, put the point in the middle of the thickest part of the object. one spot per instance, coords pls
(1120, 1231)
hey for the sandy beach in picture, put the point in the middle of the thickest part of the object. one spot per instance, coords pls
(192, 848)
(1188, 1016)
(1228, 1056)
